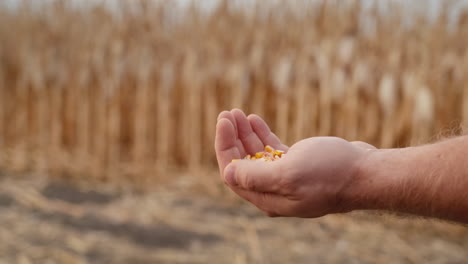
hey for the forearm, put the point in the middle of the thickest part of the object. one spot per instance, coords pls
(430, 180)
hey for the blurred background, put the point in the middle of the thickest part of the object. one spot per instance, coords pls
(108, 113)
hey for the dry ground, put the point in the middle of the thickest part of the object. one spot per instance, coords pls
(49, 222)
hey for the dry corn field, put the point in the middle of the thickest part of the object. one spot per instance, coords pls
(130, 93)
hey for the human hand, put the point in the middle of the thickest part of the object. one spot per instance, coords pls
(311, 180)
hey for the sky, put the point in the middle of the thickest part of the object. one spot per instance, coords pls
(432, 6)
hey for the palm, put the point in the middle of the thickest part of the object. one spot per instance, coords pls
(238, 135)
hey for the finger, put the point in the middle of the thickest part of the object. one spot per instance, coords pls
(264, 133)
(363, 145)
(272, 205)
(228, 115)
(256, 176)
(225, 143)
(248, 137)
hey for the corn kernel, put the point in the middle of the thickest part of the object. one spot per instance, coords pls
(269, 149)
(259, 155)
(278, 152)
(234, 160)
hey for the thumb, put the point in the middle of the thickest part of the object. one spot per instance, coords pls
(256, 176)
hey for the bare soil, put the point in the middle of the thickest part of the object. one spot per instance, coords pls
(49, 222)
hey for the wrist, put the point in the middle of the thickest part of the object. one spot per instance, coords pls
(374, 181)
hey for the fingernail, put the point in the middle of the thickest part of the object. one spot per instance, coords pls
(229, 175)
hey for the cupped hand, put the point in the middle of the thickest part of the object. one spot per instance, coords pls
(238, 135)
(311, 180)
